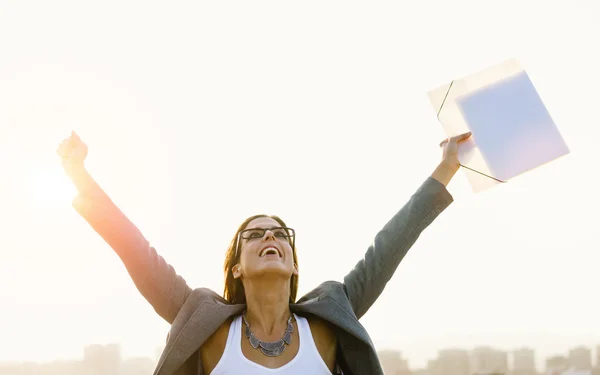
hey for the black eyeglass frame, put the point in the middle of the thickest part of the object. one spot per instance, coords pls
(264, 231)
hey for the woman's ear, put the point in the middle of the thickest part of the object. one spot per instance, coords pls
(235, 270)
(296, 269)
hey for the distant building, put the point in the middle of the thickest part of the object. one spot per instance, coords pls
(453, 362)
(486, 360)
(51, 368)
(580, 359)
(138, 366)
(63, 368)
(524, 362)
(102, 359)
(556, 365)
(433, 367)
(393, 363)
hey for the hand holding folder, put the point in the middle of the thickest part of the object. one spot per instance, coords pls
(512, 132)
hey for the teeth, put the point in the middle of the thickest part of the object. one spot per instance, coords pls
(269, 249)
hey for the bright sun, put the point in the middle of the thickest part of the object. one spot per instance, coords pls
(49, 186)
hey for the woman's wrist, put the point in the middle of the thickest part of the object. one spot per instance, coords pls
(80, 177)
(445, 171)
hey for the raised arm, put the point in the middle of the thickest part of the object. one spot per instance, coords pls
(367, 280)
(156, 280)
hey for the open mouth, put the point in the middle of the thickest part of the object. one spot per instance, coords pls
(270, 251)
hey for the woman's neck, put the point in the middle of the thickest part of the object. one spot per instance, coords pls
(268, 308)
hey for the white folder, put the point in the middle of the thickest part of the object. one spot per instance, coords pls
(512, 131)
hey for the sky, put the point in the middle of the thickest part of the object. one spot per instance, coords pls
(198, 115)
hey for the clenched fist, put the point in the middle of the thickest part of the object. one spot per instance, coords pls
(72, 152)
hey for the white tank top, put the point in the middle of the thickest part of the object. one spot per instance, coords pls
(307, 360)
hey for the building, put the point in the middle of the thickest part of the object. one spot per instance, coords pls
(393, 363)
(524, 362)
(51, 368)
(102, 359)
(138, 366)
(580, 359)
(453, 362)
(130, 366)
(486, 360)
(557, 365)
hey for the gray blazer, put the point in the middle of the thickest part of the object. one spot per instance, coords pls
(195, 314)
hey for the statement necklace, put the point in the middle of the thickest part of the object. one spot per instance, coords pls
(270, 349)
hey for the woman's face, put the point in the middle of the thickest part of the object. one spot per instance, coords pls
(265, 250)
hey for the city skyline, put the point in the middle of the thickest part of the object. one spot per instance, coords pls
(540, 360)
(108, 359)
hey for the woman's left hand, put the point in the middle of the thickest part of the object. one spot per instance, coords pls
(450, 149)
(449, 164)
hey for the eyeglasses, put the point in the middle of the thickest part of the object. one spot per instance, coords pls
(258, 233)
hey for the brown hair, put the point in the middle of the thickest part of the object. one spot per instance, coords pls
(234, 289)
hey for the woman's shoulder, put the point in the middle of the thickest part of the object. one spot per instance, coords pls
(212, 349)
(324, 337)
(318, 324)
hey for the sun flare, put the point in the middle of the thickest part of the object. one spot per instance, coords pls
(49, 186)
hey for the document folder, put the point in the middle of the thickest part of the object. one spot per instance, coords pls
(512, 131)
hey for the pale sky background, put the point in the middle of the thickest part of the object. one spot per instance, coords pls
(198, 115)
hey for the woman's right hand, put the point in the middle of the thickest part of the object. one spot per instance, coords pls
(72, 152)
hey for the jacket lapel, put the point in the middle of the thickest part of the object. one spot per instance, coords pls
(330, 310)
(212, 313)
(207, 318)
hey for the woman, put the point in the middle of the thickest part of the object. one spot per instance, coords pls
(258, 327)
